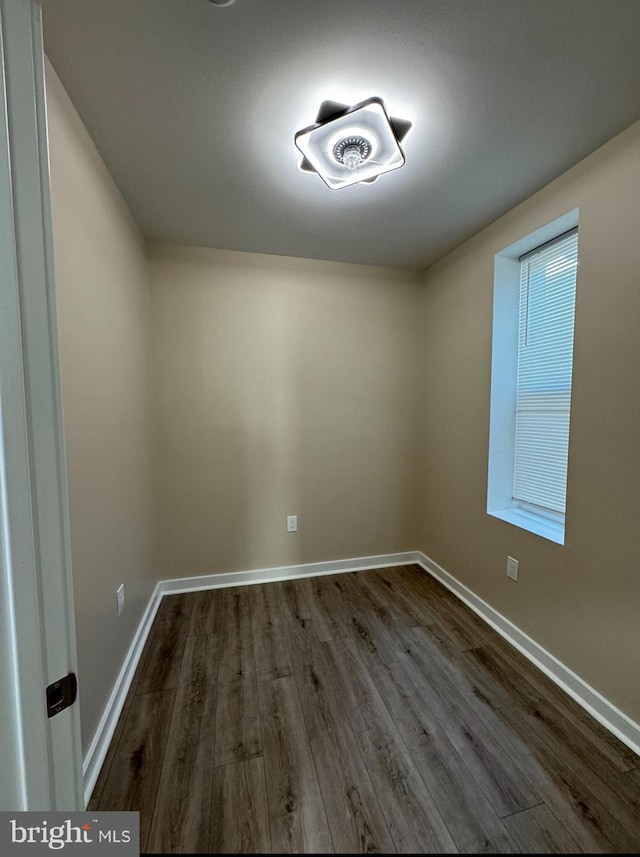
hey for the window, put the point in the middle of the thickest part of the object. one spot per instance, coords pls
(534, 303)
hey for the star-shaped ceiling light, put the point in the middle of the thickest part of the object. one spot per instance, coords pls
(348, 145)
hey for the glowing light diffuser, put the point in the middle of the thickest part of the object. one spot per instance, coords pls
(350, 145)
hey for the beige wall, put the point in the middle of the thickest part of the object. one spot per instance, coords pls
(283, 387)
(103, 315)
(580, 601)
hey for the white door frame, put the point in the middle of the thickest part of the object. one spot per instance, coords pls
(40, 757)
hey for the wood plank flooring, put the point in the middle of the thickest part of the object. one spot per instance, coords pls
(369, 712)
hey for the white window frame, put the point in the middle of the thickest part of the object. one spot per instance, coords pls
(504, 372)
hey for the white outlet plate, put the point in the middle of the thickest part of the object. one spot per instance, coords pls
(512, 568)
(292, 523)
(120, 599)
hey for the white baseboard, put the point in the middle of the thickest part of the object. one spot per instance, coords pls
(286, 572)
(616, 721)
(97, 752)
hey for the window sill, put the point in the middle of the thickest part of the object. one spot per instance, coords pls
(534, 523)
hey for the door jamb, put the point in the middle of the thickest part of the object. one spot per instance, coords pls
(36, 594)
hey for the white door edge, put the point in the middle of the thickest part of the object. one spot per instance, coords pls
(40, 764)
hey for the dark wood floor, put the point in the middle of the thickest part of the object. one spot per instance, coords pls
(365, 712)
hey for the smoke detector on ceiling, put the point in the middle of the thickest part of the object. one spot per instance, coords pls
(221, 2)
(352, 145)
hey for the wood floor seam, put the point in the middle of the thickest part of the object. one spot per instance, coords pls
(155, 801)
(519, 811)
(315, 766)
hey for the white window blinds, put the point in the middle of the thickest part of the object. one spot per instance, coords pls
(545, 357)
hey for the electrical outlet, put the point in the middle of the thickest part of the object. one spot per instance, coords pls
(292, 523)
(120, 598)
(512, 568)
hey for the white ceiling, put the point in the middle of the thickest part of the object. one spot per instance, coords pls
(194, 108)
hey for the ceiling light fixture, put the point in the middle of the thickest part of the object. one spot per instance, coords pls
(352, 145)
